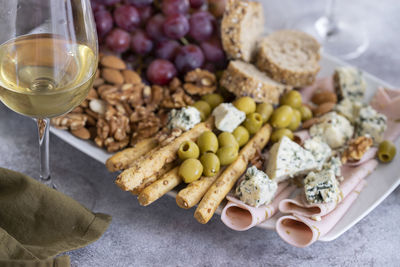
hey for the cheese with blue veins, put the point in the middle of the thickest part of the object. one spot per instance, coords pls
(349, 83)
(371, 123)
(184, 119)
(320, 150)
(321, 187)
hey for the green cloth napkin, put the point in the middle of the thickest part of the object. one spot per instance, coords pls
(37, 223)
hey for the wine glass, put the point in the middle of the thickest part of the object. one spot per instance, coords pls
(340, 38)
(48, 60)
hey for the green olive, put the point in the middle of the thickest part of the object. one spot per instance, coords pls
(253, 122)
(296, 120)
(210, 163)
(190, 170)
(265, 110)
(213, 99)
(386, 151)
(227, 139)
(245, 104)
(203, 107)
(242, 135)
(207, 142)
(227, 154)
(305, 112)
(281, 117)
(188, 150)
(292, 98)
(277, 134)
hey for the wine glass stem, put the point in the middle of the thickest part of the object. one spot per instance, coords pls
(326, 25)
(43, 132)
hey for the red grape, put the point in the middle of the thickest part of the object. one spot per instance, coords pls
(167, 49)
(154, 27)
(212, 50)
(127, 17)
(97, 6)
(217, 7)
(176, 26)
(170, 7)
(188, 58)
(141, 43)
(104, 22)
(145, 13)
(140, 3)
(108, 2)
(161, 72)
(197, 3)
(201, 26)
(118, 40)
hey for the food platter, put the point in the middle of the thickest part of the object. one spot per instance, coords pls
(379, 184)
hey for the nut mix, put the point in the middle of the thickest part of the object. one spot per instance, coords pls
(356, 148)
(121, 109)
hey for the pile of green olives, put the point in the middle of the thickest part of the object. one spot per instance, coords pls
(207, 104)
(386, 151)
(256, 114)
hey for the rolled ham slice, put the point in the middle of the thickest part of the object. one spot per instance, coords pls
(319, 84)
(240, 216)
(370, 154)
(301, 136)
(301, 231)
(352, 177)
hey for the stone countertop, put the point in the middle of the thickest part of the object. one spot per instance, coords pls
(165, 235)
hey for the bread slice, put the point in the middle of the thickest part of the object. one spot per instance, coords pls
(242, 25)
(290, 57)
(244, 79)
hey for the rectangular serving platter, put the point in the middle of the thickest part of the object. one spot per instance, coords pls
(379, 184)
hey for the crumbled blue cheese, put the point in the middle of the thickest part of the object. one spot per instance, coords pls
(334, 129)
(184, 119)
(287, 159)
(320, 150)
(321, 187)
(227, 117)
(334, 164)
(349, 83)
(256, 189)
(371, 123)
(349, 109)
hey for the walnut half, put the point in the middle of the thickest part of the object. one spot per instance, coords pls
(200, 82)
(356, 149)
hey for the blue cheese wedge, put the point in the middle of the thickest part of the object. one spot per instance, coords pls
(334, 164)
(334, 129)
(321, 187)
(349, 83)
(349, 109)
(371, 123)
(256, 189)
(287, 159)
(184, 119)
(227, 117)
(319, 149)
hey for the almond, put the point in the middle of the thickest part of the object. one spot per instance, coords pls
(308, 123)
(97, 82)
(112, 76)
(81, 133)
(324, 96)
(131, 77)
(113, 62)
(324, 108)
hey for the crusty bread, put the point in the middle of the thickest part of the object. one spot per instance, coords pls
(241, 27)
(290, 57)
(244, 79)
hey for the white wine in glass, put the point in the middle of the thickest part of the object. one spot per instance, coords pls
(48, 60)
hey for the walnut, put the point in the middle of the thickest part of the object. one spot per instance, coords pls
(177, 100)
(146, 128)
(119, 127)
(103, 129)
(200, 82)
(166, 136)
(174, 84)
(113, 145)
(356, 149)
(71, 121)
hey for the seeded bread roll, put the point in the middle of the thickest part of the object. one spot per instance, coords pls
(244, 79)
(241, 27)
(290, 57)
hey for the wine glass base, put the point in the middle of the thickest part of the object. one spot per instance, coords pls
(346, 40)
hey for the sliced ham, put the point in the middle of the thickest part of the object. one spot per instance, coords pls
(240, 216)
(352, 177)
(301, 231)
(370, 154)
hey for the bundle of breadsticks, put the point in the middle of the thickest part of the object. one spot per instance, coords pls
(150, 170)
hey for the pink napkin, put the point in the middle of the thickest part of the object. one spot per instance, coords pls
(240, 216)
(301, 231)
(352, 177)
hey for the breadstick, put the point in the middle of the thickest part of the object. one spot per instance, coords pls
(146, 182)
(192, 194)
(160, 187)
(124, 158)
(145, 167)
(217, 192)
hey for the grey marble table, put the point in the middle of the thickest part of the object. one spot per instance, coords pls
(165, 235)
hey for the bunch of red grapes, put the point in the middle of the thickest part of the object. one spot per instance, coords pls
(167, 37)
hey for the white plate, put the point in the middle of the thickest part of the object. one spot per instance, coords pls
(380, 183)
